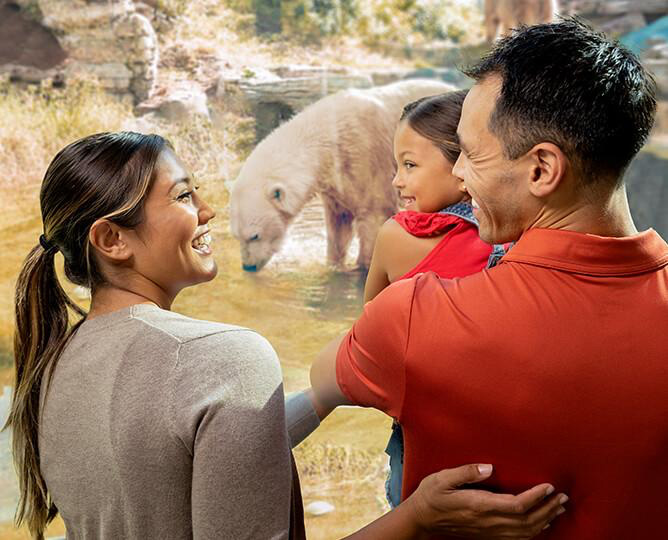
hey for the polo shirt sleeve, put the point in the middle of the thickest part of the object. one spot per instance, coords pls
(370, 363)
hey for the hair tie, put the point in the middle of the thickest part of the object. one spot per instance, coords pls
(46, 245)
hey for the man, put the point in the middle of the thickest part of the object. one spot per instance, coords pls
(553, 365)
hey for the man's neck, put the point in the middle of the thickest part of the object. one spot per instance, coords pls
(609, 215)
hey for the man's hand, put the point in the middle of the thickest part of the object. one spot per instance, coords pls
(441, 508)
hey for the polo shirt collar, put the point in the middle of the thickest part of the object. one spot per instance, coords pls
(584, 253)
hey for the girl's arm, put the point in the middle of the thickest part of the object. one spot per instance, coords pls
(377, 278)
(395, 253)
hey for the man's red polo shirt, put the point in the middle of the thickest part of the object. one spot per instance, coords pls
(553, 366)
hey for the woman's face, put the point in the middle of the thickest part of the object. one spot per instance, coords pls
(424, 176)
(173, 243)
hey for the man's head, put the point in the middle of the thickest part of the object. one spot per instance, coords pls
(551, 101)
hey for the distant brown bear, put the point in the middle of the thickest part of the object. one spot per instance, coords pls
(502, 15)
(340, 148)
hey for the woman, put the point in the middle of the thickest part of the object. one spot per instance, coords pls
(137, 422)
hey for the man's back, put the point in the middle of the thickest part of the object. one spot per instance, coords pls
(553, 367)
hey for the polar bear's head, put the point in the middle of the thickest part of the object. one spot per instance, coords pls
(269, 191)
(258, 221)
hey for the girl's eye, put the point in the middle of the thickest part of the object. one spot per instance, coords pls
(409, 165)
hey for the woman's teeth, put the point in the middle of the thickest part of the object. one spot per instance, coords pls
(201, 243)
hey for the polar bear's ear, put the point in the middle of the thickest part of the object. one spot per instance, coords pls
(277, 196)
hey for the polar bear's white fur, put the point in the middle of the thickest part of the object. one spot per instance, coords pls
(340, 147)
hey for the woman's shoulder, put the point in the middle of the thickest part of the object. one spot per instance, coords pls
(181, 327)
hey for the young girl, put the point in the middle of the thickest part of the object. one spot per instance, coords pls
(437, 231)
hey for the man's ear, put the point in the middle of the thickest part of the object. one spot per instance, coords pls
(110, 240)
(548, 168)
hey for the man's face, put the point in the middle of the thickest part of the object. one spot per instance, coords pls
(498, 186)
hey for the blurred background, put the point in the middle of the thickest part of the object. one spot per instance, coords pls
(215, 77)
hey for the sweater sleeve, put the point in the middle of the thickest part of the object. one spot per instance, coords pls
(228, 411)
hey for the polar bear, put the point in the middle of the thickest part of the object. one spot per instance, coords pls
(340, 148)
(502, 15)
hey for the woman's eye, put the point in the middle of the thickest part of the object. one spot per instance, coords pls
(187, 195)
(409, 165)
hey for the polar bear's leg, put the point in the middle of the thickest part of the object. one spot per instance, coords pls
(368, 224)
(339, 222)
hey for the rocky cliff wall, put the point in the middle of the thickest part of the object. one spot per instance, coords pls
(106, 38)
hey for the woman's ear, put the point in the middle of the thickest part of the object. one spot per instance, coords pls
(548, 168)
(110, 241)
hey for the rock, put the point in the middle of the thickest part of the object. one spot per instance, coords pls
(298, 92)
(647, 185)
(623, 25)
(659, 68)
(96, 38)
(178, 104)
(318, 508)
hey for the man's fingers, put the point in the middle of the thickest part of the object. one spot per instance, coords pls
(466, 474)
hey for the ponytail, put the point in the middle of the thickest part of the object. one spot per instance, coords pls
(42, 330)
(105, 175)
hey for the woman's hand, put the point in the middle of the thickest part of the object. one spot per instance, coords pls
(440, 508)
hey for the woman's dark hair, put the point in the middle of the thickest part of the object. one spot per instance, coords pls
(566, 84)
(106, 175)
(436, 118)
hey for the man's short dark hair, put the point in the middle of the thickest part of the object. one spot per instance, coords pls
(567, 84)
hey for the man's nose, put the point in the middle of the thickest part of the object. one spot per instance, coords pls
(458, 167)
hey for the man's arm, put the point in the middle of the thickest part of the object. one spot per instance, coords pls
(325, 392)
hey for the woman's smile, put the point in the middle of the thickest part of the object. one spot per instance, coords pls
(202, 243)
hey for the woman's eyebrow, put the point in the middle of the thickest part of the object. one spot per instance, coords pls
(185, 180)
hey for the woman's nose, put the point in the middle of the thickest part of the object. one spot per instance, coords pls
(396, 181)
(205, 212)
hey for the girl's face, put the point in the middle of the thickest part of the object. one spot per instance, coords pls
(424, 176)
(173, 241)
